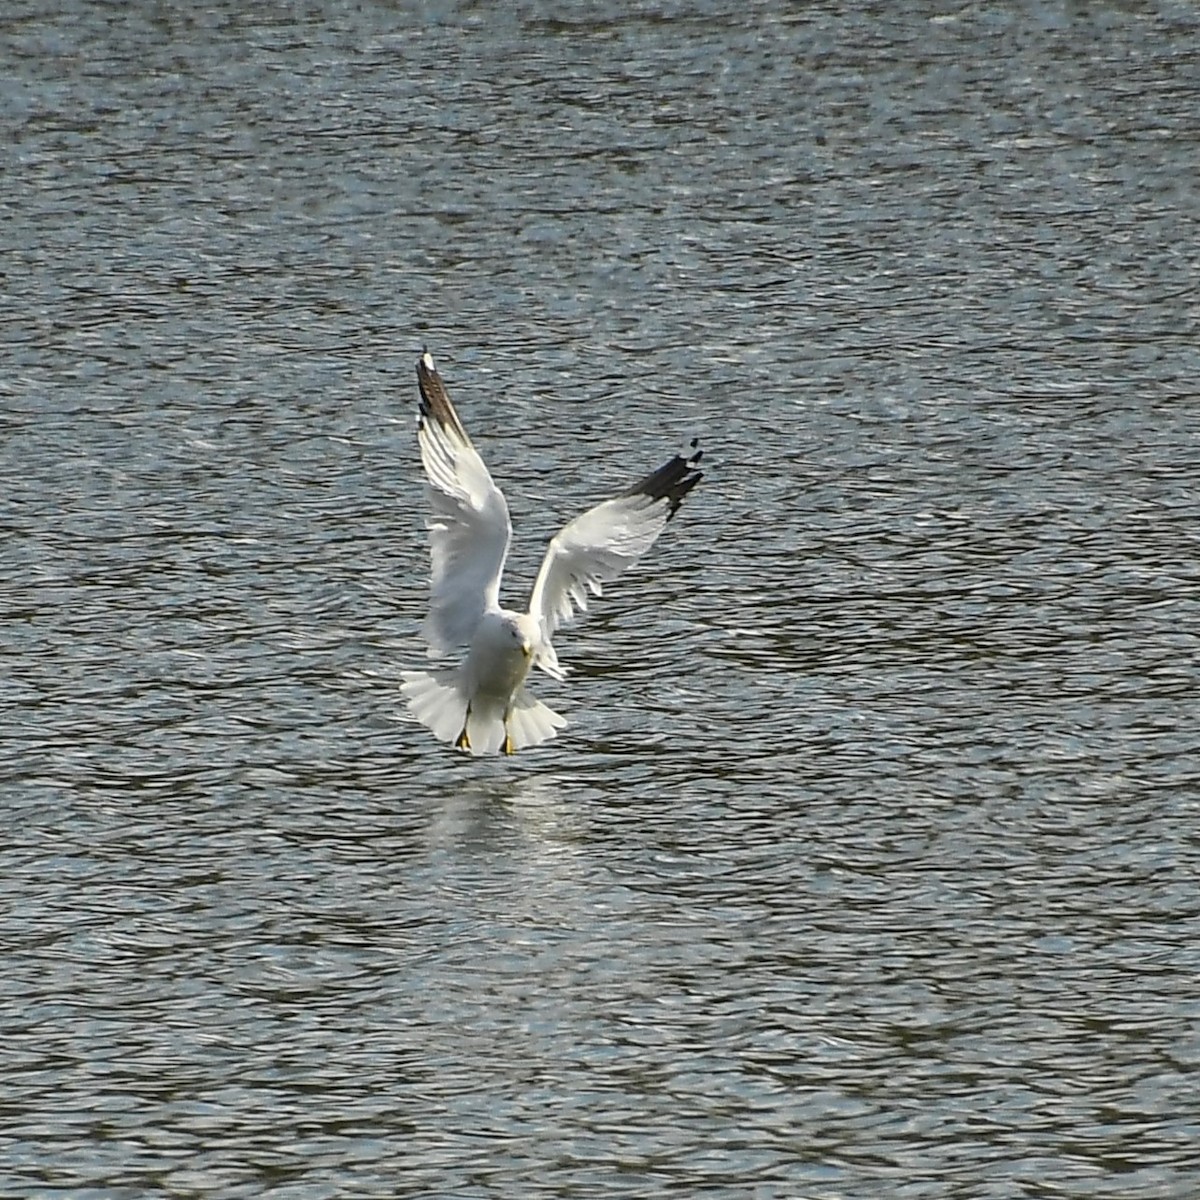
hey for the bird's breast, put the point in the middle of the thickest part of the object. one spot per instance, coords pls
(498, 664)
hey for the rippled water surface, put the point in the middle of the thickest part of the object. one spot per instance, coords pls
(869, 864)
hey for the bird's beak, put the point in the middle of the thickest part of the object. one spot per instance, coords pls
(526, 649)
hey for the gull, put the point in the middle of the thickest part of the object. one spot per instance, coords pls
(481, 705)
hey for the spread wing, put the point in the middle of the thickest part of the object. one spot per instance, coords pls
(597, 546)
(469, 529)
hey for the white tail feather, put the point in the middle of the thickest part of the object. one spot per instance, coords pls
(438, 699)
(531, 722)
(485, 725)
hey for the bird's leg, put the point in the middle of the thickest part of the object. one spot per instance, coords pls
(509, 748)
(462, 742)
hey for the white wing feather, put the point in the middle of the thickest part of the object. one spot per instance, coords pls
(598, 545)
(469, 528)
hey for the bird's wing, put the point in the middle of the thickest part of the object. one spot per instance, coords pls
(597, 546)
(469, 529)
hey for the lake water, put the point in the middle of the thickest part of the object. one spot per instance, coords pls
(869, 865)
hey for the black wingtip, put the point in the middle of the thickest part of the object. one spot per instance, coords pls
(435, 400)
(674, 479)
(426, 371)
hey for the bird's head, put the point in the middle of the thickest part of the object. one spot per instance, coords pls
(523, 630)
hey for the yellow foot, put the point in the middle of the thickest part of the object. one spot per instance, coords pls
(509, 748)
(463, 742)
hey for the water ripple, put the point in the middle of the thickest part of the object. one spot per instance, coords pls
(867, 864)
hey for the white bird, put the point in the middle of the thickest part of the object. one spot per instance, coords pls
(481, 705)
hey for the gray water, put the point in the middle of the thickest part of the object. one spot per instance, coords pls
(869, 865)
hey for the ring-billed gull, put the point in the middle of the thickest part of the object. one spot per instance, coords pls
(481, 705)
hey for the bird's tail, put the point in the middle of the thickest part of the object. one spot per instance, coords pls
(531, 722)
(439, 700)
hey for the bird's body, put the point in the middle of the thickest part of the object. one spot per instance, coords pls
(482, 705)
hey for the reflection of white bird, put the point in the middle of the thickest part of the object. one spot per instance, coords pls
(482, 705)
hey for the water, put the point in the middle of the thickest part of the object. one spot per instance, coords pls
(867, 866)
